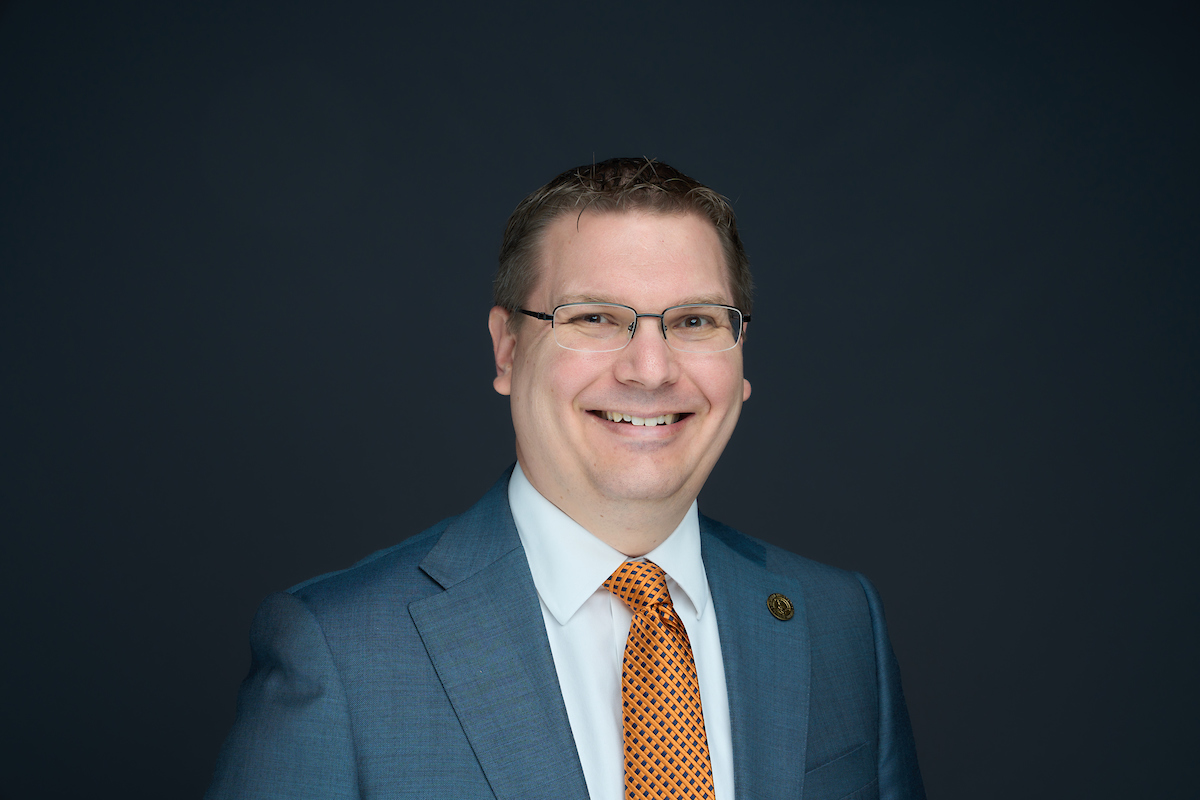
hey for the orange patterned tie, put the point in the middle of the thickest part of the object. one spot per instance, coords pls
(666, 751)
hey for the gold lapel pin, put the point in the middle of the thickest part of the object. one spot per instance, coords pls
(780, 607)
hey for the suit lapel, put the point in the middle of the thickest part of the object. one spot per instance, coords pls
(767, 664)
(487, 640)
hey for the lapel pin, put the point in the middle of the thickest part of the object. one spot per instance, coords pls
(780, 607)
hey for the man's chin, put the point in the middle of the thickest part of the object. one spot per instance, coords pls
(638, 486)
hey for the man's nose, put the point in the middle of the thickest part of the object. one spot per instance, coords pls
(647, 360)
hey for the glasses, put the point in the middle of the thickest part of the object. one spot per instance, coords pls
(605, 327)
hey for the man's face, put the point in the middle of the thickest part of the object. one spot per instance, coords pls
(573, 454)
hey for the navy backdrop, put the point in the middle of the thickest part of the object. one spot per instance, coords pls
(245, 255)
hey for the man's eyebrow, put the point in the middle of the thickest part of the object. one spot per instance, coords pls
(704, 299)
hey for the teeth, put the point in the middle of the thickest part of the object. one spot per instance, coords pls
(649, 422)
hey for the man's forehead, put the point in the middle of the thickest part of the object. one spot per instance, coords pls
(567, 273)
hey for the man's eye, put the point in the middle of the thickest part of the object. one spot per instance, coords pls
(696, 321)
(591, 320)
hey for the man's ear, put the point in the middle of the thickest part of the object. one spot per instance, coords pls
(742, 344)
(504, 342)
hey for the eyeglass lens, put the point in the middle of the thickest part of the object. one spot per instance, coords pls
(600, 327)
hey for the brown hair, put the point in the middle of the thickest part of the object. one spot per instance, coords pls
(619, 184)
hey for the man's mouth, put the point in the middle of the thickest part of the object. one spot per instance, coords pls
(649, 422)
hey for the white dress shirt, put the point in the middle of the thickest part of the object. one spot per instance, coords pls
(587, 627)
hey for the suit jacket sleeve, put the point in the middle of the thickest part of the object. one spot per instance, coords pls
(899, 775)
(292, 737)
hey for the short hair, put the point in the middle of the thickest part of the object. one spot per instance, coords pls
(619, 184)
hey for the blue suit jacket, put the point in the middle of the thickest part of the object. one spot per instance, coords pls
(425, 671)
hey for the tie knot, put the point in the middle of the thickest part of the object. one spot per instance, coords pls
(639, 584)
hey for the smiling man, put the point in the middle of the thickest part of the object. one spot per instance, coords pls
(628, 482)
(583, 631)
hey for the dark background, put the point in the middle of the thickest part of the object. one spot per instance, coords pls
(246, 251)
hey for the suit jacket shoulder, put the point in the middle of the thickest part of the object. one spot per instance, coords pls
(393, 572)
(422, 671)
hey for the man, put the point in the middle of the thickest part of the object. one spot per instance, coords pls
(582, 631)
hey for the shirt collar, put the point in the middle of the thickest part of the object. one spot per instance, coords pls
(569, 564)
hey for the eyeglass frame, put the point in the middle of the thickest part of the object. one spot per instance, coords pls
(662, 320)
